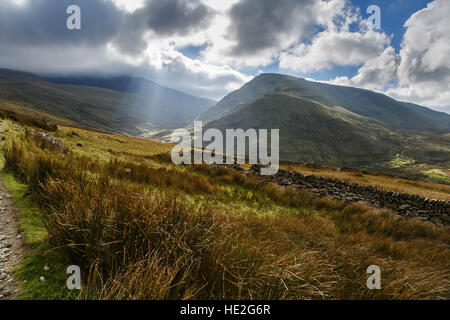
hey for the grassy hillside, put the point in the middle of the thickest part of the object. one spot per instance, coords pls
(340, 126)
(164, 104)
(143, 228)
(132, 113)
(313, 132)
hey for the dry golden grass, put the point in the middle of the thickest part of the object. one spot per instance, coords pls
(424, 189)
(141, 238)
(106, 146)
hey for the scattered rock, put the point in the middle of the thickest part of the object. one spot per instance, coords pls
(48, 140)
(80, 144)
(42, 279)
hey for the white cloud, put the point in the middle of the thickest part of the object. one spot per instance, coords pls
(375, 74)
(331, 48)
(420, 72)
(129, 5)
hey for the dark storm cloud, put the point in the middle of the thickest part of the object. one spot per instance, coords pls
(43, 22)
(169, 17)
(262, 24)
(164, 18)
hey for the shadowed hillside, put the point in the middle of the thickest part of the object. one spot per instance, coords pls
(133, 112)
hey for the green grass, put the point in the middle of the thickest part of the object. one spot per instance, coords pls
(438, 176)
(39, 253)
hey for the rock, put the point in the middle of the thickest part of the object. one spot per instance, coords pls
(46, 268)
(127, 170)
(48, 139)
(80, 144)
(42, 279)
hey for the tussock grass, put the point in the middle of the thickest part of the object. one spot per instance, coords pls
(136, 236)
(160, 177)
(28, 120)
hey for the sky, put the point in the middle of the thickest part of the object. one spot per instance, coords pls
(209, 48)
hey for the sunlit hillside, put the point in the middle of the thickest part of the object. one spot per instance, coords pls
(142, 228)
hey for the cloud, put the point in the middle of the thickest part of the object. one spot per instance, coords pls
(376, 73)
(43, 23)
(330, 48)
(424, 70)
(253, 33)
(420, 72)
(142, 38)
(259, 25)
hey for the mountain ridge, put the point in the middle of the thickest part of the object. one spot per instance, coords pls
(337, 126)
(364, 102)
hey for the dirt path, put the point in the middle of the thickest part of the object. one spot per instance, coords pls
(12, 245)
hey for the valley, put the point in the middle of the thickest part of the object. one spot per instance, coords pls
(93, 190)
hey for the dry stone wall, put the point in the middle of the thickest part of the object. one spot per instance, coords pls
(407, 205)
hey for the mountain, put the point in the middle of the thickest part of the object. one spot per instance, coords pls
(328, 124)
(90, 102)
(361, 102)
(171, 102)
